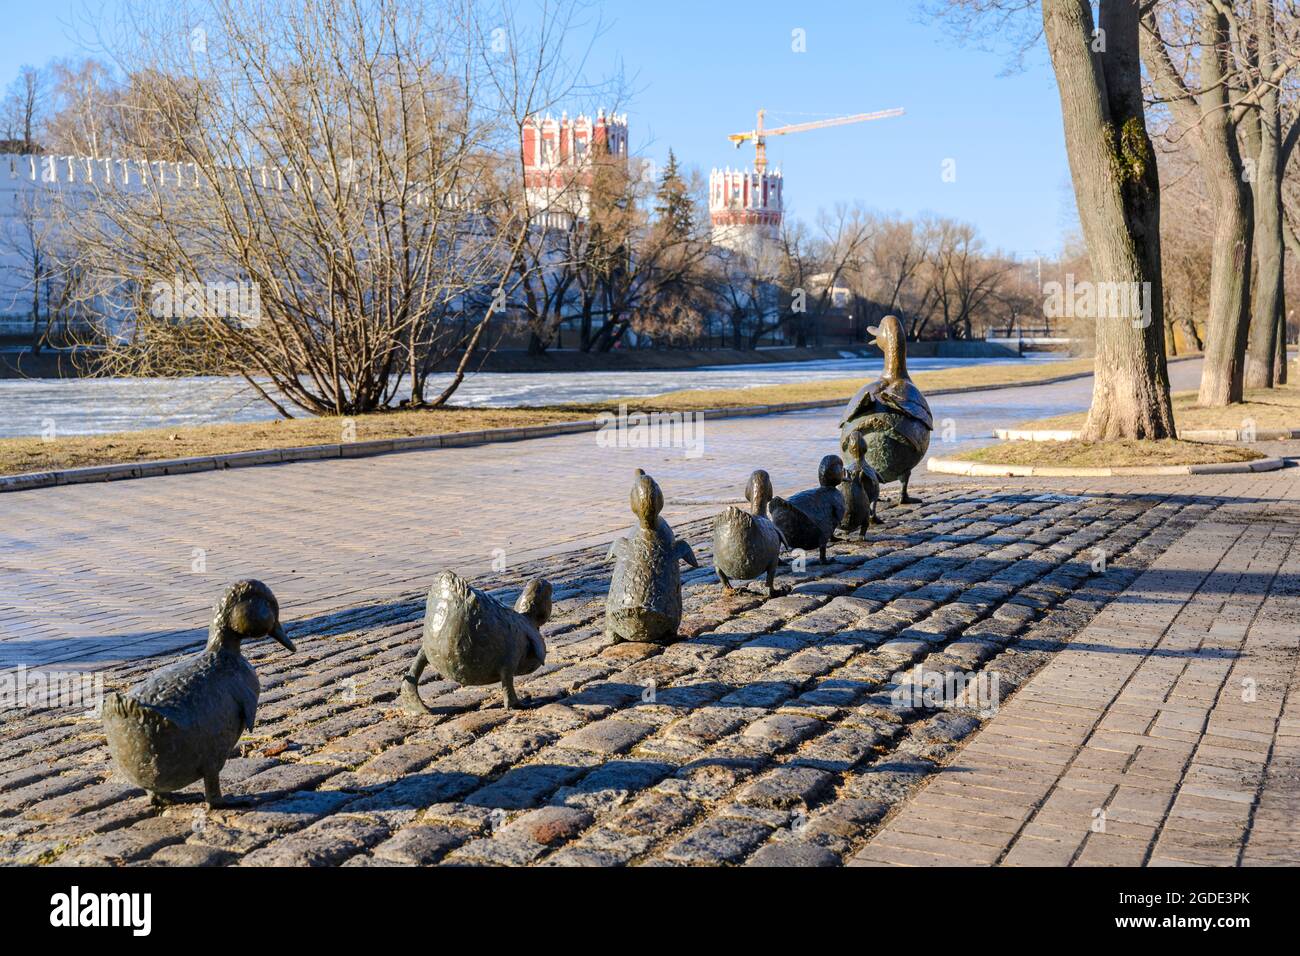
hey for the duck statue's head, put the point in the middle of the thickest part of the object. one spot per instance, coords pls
(246, 611)
(888, 336)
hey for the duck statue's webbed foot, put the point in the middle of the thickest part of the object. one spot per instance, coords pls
(511, 699)
(216, 800)
(905, 498)
(408, 696)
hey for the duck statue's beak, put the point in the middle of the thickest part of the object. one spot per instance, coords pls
(874, 332)
(283, 638)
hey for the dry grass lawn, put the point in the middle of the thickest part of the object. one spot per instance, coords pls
(21, 455)
(844, 388)
(18, 455)
(1115, 454)
(1266, 407)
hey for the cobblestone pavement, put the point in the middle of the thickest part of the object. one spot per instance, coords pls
(99, 573)
(782, 731)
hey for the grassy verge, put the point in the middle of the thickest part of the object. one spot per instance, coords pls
(1116, 454)
(844, 388)
(1266, 407)
(19, 455)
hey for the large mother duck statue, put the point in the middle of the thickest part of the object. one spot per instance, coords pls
(890, 414)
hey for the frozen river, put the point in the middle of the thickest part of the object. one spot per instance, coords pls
(95, 406)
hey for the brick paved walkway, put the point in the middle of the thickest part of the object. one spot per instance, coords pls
(781, 731)
(100, 573)
(1166, 732)
(1140, 712)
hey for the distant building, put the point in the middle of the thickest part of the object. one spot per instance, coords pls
(38, 195)
(745, 207)
(558, 160)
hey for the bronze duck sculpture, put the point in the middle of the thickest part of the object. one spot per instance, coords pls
(746, 544)
(472, 638)
(861, 490)
(645, 590)
(180, 724)
(808, 519)
(890, 414)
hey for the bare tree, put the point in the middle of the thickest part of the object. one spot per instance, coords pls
(23, 110)
(747, 292)
(1269, 33)
(50, 274)
(964, 279)
(84, 93)
(1186, 228)
(1116, 190)
(1197, 52)
(356, 163)
(889, 279)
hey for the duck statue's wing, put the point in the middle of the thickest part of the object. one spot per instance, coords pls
(911, 431)
(897, 396)
(186, 690)
(537, 643)
(862, 403)
(905, 397)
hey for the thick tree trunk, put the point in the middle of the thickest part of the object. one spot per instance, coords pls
(1267, 304)
(1230, 260)
(1117, 191)
(1229, 316)
(1280, 370)
(1279, 353)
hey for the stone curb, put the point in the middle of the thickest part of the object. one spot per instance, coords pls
(365, 449)
(975, 469)
(1218, 435)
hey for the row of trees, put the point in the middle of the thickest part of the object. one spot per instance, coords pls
(1217, 77)
(354, 161)
(358, 163)
(642, 260)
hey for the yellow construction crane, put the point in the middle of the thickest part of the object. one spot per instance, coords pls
(759, 135)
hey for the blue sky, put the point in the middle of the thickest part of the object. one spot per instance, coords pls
(699, 69)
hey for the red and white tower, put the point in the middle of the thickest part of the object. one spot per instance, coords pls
(745, 208)
(558, 159)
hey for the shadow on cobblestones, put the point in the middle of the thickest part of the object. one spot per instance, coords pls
(780, 731)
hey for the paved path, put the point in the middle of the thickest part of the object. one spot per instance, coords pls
(1146, 713)
(1167, 732)
(795, 730)
(101, 573)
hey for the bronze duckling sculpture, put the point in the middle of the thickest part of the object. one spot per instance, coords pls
(746, 544)
(890, 414)
(861, 490)
(180, 724)
(472, 638)
(808, 520)
(645, 590)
